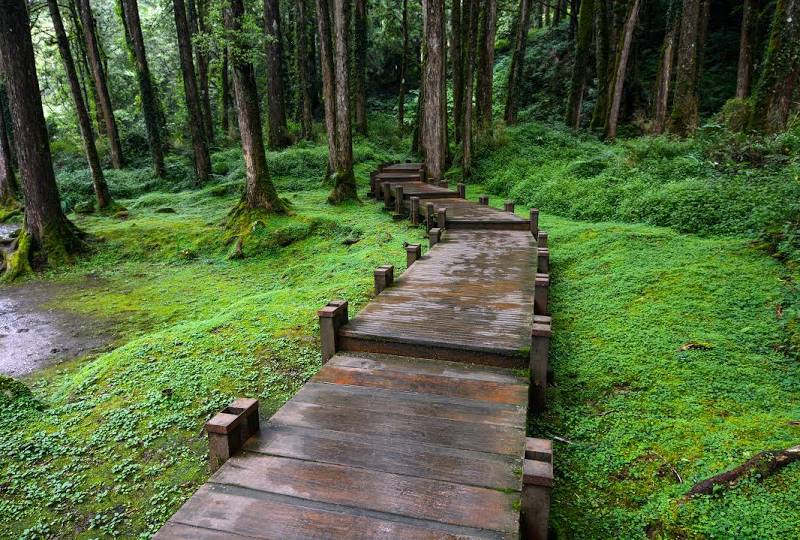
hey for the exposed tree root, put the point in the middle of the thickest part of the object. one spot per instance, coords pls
(344, 188)
(763, 463)
(17, 261)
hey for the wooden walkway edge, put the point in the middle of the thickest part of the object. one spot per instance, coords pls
(415, 425)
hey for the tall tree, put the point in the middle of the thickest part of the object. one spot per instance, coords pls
(517, 60)
(197, 24)
(278, 136)
(259, 191)
(624, 49)
(84, 123)
(227, 99)
(747, 35)
(781, 73)
(9, 189)
(150, 105)
(685, 117)
(401, 97)
(46, 227)
(604, 63)
(457, 66)
(344, 187)
(304, 72)
(665, 68)
(470, 28)
(433, 125)
(579, 72)
(485, 72)
(360, 57)
(323, 10)
(201, 159)
(101, 83)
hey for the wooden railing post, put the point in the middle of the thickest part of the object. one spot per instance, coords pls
(508, 206)
(398, 200)
(415, 210)
(434, 235)
(384, 277)
(331, 318)
(542, 239)
(429, 216)
(535, 222)
(483, 200)
(387, 195)
(541, 294)
(537, 483)
(229, 430)
(540, 350)
(441, 218)
(543, 262)
(413, 252)
(372, 176)
(462, 190)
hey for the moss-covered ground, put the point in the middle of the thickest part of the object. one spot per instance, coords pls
(670, 356)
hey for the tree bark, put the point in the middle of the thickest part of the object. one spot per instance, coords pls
(401, 98)
(433, 126)
(685, 117)
(260, 193)
(457, 66)
(197, 10)
(304, 73)
(227, 100)
(517, 61)
(485, 75)
(470, 22)
(101, 84)
(360, 70)
(604, 65)
(664, 78)
(328, 82)
(624, 50)
(84, 122)
(582, 54)
(278, 136)
(202, 161)
(781, 73)
(745, 70)
(9, 189)
(345, 181)
(52, 234)
(150, 105)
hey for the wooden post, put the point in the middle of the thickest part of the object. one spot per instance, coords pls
(398, 200)
(540, 350)
(249, 408)
(230, 429)
(415, 210)
(443, 183)
(543, 262)
(387, 195)
(542, 239)
(384, 276)
(535, 222)
(509, 206)
(537, 483)
(441, 218)
(434, 235)
(483, 200)
(541, 294)
(413, 252)
(331, 318)
(462, 190)
(372, 176)
(429, 216)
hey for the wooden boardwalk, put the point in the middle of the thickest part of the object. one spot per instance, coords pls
(415, 425)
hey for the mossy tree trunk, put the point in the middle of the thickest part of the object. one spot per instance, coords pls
(772, 99)
(470, 23)
(620, 69)
(227, 100)
(84, 122)
(304, 73)
(328, 82)
(685, 117)
(457, 66)
(579, 72)
(401, 97)
(360, 68)
(9, 189)
(278, 134)
(260, 193)
(518, 60)
(666, 66)
(433, 125)
(52, 235)
(744, 74)
(485, 72)
(604, 66)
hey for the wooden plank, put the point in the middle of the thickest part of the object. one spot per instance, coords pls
(464, 435)
(387, 454)
(419, 498)
(235, 511)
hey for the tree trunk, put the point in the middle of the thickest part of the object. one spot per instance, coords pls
(684, 118)
(623, 54)
(517, 61)
(547, 12)
(9, 189)
(603, 62)
(276, 92)
(345, 181)
(84, 122)
(664, 78)
(745, 71)
(227, 105)
(582, 55)
(101, 84)
(197, 11)
(150, 105)
(259, 191)
(401, 98)
(457, 66)
(304, 74)
(51, 233)
(485, 82)
(202, 161)
(470, 23)
(328, 82)
(433, 126)
(360, 58)
(781, 72)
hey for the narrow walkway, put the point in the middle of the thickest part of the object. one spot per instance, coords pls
(415, 426)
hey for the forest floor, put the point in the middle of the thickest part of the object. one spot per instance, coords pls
(669, 357)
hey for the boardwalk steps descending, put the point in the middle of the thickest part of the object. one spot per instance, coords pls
(415, 425)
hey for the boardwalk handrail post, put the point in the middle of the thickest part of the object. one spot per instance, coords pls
(535, 222)
(462, 190)
(429, 216)
(441, 218)
(508, 206)
(542, 239)
(537, 483)
(387, 195)
(434, 235)
(384, 276)
(398, 200)
(331, 318)
(413, 252)
(415, 210)
(229, 430)
(540, 350)
(372, 176)
(541, 294)
(483, 200)
(543, 262)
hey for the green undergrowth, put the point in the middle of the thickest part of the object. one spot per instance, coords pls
(671, 366)
(110, 446)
